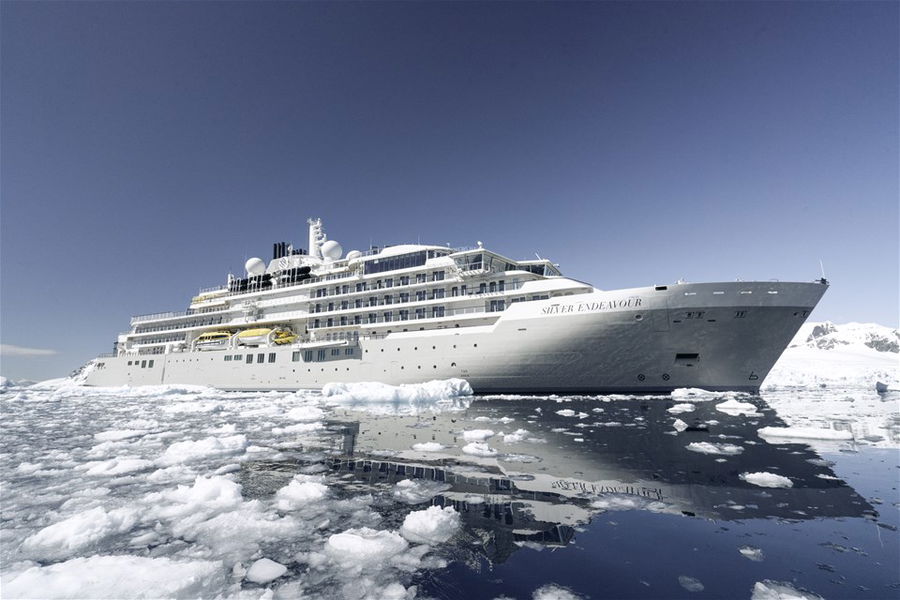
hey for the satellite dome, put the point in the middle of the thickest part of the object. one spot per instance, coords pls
(353, 254)
(332, 250)
(255, 266)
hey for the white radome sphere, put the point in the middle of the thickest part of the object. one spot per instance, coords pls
(331, 249)
(255, 266)
(353, 254)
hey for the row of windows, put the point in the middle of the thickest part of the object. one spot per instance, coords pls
(404, 297)
(144, 364)
(385, 317)
(378, 284)
(320, 354)
(182, 325)
(260, 358)
(162, 339)
(402, 261)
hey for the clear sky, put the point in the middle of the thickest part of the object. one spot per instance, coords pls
(149, 148)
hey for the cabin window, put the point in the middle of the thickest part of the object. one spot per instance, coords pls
(437, 276)
(404, 280)
(388, 283)
(404, 315)
(129, 363)
(307, 356)
(150, 364)
(482, 288)
(437, 311)
(388, 316)
(249, 358)
(404, 297)
(501, 285)
(420, 295)
(388, 299)
(271, 357)
(320, 355)
(260, 358)
(454, 291)
(357, 319)
(143, 364)
(343, 320)
(345, 305)
(358, 303)
(421, 277)
(329, 322)
(295, 356)
(348, 351)
(227, 358)
(335, 351)
(439, 293)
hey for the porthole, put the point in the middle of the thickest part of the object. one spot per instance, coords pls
(638, 317)
(420, 366)
(434, 347)
(641, 377)
(452, 364)
(474, 345)
(665, 376)
(434, 366)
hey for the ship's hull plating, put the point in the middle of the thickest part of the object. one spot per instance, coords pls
(716, 336)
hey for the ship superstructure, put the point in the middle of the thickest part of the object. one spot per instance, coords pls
(413, 312)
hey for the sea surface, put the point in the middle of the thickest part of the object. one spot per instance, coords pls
(430, 492)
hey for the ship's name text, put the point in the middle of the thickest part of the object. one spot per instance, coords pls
(558, 309)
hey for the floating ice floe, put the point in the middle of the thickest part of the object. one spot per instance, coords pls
(188, 451)
(116, 435)
(804, 433)
(679, 425)
(305, 414)
(479, 449)
(433, 525)
(769, 480)
(553, 591)
(364, 546)
(428, 447)
(477, 435)
(84, 529)
(780, 590)
(265, 570)
(519, 435)
(713, 448)
(119, 577)
(735, 408)
(754, 554)
(301, 491)
(684, 407)
(691, 584)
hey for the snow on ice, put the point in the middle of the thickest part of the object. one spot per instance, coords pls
(769, 480)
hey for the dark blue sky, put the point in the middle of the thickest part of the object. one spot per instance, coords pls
(150, 148)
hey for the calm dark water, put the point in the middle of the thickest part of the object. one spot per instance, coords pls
(608, 500)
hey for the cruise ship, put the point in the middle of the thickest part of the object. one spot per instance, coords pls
(411, 313)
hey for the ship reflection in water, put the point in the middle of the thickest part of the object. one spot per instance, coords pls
(535, 474)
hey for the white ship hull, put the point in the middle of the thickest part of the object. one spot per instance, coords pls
(717, 336)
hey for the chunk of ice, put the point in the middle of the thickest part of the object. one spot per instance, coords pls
(430, 526)
(120, 577)
(265, 570)
(769, 480)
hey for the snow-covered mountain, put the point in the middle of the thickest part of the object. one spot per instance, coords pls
(849, 355)
(828, 336)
